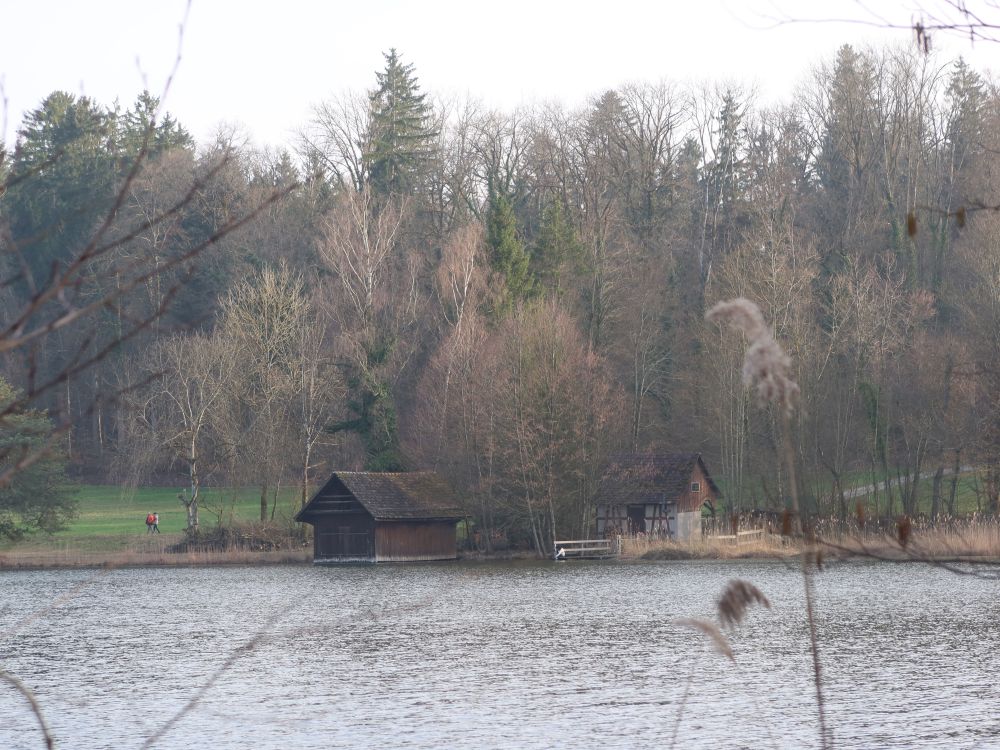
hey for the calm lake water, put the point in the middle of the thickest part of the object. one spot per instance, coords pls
(542, 655)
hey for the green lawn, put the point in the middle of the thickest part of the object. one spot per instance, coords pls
(967, 500)
(112, 518)
(969, 497)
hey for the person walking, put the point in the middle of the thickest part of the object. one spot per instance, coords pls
(150, 520)
(156, 523)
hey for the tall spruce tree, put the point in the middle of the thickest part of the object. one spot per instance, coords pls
(557, 249)
(143, 125)
(844, 157)
(402, 133)
(62, 181)
(727, 174)
(508, 255)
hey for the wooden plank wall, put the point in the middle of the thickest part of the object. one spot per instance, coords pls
(691, 502)
(415, 540)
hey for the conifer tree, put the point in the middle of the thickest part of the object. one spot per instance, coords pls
(143, 124)
(62, 180)
(728, 180)
(401, 137)
(557, 249)
(508, 256)
(38, 497)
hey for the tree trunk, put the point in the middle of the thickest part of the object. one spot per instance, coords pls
(274, 498)
(191, 505)
(936, 493)
(306, 460)
(192, 514)
(954, 483)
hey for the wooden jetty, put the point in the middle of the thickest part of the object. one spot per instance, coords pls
(587, 549)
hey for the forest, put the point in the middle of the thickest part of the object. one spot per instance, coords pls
(512, 297)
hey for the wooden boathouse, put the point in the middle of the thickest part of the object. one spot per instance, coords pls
(362, 516)
(658, 494)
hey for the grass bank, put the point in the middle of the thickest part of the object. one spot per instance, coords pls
(110, 529)
(37, 558)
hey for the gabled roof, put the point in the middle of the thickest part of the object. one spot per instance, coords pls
(388, 496)
(639, 478)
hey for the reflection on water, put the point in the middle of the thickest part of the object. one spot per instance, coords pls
(581, 655)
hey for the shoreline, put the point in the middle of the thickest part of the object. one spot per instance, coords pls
(973, 544)
(61, 560)
(661, 552)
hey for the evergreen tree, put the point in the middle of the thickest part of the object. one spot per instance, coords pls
(728, 175)
(557, 249)
(62, 182)
(164, 132)
(401, 137)
(966, 99)
(508, 256)
(845, 151)
(38, 497)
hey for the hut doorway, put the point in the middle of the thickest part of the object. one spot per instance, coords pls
(344, 542)
(637, 518)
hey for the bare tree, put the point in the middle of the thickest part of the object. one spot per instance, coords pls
(66, 307)
(193, 375)
(263, 318)
(338, 138)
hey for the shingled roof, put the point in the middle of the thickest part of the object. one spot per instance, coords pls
(639, 478)
(389, 496)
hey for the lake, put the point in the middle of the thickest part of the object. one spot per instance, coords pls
(519, 655)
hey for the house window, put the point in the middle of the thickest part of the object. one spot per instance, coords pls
(696, 486)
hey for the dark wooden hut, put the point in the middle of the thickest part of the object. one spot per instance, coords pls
(382, 517)
(660, 494)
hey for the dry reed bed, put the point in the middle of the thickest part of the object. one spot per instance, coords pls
(708, 548)
(975, 539)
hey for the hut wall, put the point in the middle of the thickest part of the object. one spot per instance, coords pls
(344, 537)
(688, 526)
(658, 519)
(692, 501)
(404, 541)
(611, 519)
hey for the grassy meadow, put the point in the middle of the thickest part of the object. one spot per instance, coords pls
(970, 497)
(113, 519)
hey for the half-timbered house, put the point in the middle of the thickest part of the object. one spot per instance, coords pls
(658, 494)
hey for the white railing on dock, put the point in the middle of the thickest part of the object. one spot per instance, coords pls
(583, 548)
(739, 537)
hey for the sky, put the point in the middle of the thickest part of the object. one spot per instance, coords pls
(263, 67)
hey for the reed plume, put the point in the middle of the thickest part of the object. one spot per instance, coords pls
(766, 365)
(736, 599)
(765, 362)
(711, 630)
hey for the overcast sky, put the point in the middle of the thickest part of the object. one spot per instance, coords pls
(264, 65)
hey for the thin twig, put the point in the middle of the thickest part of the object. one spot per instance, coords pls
(680, 709)
(35, 708)
(233, 657)
(17, 627)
